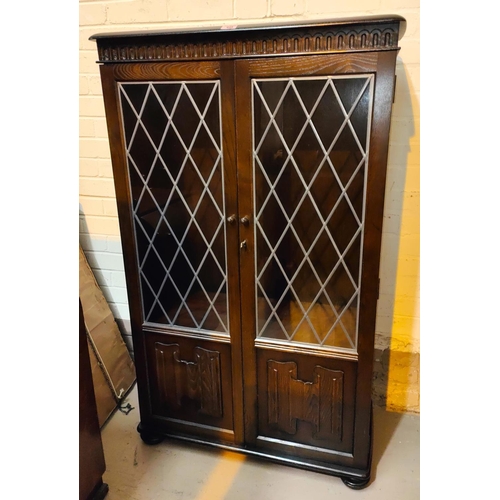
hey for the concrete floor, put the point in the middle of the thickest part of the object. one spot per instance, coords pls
(174, 470)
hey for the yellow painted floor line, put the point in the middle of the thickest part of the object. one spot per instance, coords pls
(222, 476)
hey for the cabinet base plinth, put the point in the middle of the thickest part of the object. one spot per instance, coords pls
(353, 478)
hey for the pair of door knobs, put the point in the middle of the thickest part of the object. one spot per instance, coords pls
(245, 221)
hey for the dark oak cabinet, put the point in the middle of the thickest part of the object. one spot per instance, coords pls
(250, 169)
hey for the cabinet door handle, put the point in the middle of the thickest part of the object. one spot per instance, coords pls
(243, 245)
(245, 220)
(231, 219)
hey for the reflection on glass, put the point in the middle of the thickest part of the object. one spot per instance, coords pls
(310, 144)
(172, 133)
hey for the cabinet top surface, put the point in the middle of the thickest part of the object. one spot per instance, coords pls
(356, 34)
(261, 27)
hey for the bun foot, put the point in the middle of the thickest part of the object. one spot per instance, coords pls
(355, 484)
(148, 437)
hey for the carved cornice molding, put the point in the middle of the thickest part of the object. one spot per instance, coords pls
(230, 44)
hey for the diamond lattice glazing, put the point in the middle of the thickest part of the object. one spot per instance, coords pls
(310, 164)
(174, 156)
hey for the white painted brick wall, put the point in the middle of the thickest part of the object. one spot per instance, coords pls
(99, 230)
(133, 12)
(254, 9)
(287, 7)
(92, 14)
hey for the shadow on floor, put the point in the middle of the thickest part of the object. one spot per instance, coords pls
(385, 424)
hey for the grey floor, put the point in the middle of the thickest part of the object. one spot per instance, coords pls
(173, 470)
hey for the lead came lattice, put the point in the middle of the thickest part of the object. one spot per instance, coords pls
(174, 156)
(291, 162)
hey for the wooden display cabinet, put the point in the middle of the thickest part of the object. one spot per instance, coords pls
(249, 166)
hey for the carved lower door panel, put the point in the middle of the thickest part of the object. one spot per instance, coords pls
(306, 404)
(190, 383)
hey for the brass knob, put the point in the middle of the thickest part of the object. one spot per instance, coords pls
(231, 219)
(243, 245)
(245, 220)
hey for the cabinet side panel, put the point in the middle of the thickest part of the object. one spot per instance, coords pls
(123, 200)
(375, 191)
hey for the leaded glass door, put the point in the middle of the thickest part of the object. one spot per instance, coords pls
(181, 187)
(307, 166)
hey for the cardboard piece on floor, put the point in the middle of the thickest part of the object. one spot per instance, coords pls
(113, 370)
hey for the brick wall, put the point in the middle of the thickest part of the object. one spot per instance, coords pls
(397, 331)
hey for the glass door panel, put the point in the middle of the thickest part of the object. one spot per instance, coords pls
(310, 143)
(174, 155)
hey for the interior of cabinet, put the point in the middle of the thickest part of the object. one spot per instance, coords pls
(173, 139)
(310, 160)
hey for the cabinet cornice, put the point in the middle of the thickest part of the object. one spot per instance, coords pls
(349, 35)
